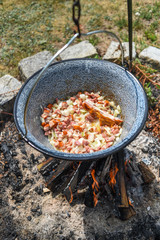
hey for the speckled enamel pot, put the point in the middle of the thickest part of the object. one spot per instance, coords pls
(66, 78)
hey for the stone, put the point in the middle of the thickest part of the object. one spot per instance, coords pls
(145, 149)
(46, 190)
(81, 50)
(126, 49)
(151, 55)
(9, 87)
(114, 52)
(28, 66)
(29, 218)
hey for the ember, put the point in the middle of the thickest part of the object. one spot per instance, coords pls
(112, 174)
(71, 195)
(95, 187)
(130, 202)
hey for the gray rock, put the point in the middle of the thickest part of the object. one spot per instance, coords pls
(146, 161)
(151, 55)
(114, 52)
(145, 149)
(9, 87)
(126, 49)
(28, 66)
(80, 50)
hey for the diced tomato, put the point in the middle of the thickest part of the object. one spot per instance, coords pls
(80, 101)
(50, 106)
(52, 123)
(60, 144)
(73, 99)
(46, 127)
(77, 127)
(65, 132)
(43, 124)
(86, 135)
(106, 103)
(44, 115)
(72, 117)
(46, 111)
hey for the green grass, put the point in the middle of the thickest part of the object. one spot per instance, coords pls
(121, 22)
(29, 26)
(148, 90)
(94, 40)
(138, 24)
(95, 22)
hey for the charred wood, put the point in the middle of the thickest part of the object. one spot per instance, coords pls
(57, 178)
(125, 209)
(106, 169)
(76, 179)
(147, 175)
(91, 196)
(89, 201)
(131, 168)
(46, 167)
(104, 178)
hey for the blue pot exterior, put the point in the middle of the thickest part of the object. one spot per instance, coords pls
(65, 79)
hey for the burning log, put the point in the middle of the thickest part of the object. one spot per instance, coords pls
(91, 196)
(132, 170)
(76, 180)
(103, 178)
(47, 166)
(126, 210)
(57, 178)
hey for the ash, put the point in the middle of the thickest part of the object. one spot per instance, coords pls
(30, 211)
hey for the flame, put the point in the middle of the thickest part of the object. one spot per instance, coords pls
(112, 174)
(125, 165)
(71, 195)
(95, 186)
(129, 201)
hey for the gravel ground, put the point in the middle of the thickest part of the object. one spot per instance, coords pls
(30, 211)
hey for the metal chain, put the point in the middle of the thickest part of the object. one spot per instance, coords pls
(76, 7)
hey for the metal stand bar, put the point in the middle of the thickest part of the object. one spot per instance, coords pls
(129, 4)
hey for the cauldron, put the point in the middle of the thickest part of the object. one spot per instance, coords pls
(65, 79)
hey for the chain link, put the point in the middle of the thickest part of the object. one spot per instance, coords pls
(77, 7)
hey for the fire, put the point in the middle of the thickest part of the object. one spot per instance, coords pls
(125, 165)
(129, 201)
(112, 174)
(71, 195)
(95, 186)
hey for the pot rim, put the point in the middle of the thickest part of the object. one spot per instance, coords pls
(87, 156)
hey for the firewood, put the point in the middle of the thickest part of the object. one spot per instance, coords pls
(73, 184)
(147, 175)
(125, 209)
(57, 176)
(47, 166)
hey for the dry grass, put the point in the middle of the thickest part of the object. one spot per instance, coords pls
(28, 27)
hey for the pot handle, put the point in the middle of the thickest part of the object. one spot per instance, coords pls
(72, 39)
(57, 54)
